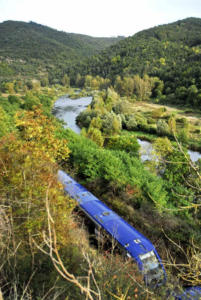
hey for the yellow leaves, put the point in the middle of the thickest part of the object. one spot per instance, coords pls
(163, 146)
(162, 61)
(28, 160)
(38, 132)
(196, 50)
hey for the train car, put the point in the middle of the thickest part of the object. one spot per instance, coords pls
(135, 245)
(193, 293)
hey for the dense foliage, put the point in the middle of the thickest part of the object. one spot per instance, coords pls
(108, 114)
(170, 52)
(30, 49)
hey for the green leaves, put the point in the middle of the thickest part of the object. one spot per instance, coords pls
(115, 168)
(127, 143)
(5, 123)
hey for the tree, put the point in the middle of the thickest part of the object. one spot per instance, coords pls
(95, 135)
(79, 80)
(5, 123)
(172, 125)
(192, 94)
(39, 133)
(96, 122)
(142, 87)
(88, 81)
(9, 87)
(127, 86)
(131, 123)
(27, 177)
(44, 81)
(158, 88)
(66, 80)
(111, 123)
(118, 85)
(162, 127)
(30, 100)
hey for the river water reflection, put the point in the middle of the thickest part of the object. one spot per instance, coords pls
(146, 152)
(67, 109)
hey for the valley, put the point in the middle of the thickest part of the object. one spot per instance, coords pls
(116, 93)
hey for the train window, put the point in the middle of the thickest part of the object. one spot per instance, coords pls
(142, 247)
(137, 241)
(86, 194)
(149, 260)
(105, 213)
(99, 219)
(69, 181)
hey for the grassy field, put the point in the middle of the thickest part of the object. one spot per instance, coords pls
(153, 112)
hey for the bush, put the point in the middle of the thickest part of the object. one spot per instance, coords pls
(162, 127)
(131, 123)
(14, 99)
(126, 143)
(85, 117)
(111, 123)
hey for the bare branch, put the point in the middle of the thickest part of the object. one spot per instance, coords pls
(50, 241)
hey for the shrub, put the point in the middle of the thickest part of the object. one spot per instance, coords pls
(126, 143)
(162, 127)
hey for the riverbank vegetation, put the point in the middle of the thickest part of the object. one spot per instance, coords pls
(145, 118)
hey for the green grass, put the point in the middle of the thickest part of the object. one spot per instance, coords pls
(141, 135)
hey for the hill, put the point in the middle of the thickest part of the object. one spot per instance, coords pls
(171, 52)
(30, 48)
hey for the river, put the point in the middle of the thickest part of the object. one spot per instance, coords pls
(67, 109)
(146, 152)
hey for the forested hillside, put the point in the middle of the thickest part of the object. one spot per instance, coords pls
(170, 52)
(30, 48)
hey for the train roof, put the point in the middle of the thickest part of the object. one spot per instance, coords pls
(132, 240)
(190, 293)
(125, 234)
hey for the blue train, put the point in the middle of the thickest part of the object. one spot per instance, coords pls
(133, 243)
(193, 293)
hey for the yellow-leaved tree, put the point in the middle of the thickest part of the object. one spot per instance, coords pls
(28, 181)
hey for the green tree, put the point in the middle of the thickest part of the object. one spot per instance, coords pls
(95, 135)
(131, 123)
(9, 87)
(88, 81)
(192, 94)
(172, 125)
(162, 127)
(125, 143)
(79, 80)
(96, 122)
(30, 100)
(44, 81)
(5, 123)
(158, 87)
(66, 80)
